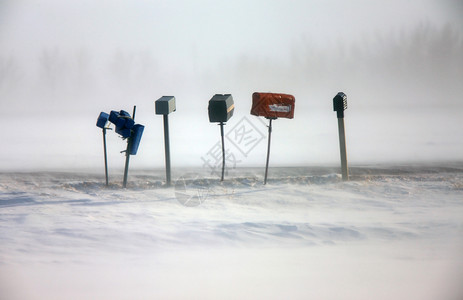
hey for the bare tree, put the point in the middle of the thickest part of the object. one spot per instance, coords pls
(52, 69)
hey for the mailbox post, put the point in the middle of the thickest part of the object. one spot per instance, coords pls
(101, 123)
(221, 108)
(339, 105)
(164, 106)
(129, 146)
(272, 106)
(127, 129)
(268, 147)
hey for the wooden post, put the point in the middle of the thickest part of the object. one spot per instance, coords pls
(342, 146)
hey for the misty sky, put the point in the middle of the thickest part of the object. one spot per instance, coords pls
(206, 32)
(399, 62)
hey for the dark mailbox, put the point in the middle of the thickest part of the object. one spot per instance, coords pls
(221, 108)
(272, 106)
(340, 104)
(165, 105)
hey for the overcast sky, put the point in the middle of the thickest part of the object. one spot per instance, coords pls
(117, 54)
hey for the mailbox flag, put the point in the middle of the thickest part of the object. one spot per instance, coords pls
(272, 106)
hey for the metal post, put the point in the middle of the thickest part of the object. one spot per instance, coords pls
(268, 149)
(167, 148)
(127, 158)
(127, 153)
(342, 145)
(223, 150)
(105, 156)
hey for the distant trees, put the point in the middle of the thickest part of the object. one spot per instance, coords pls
(55, 72)
(53, 69)
(423, 61)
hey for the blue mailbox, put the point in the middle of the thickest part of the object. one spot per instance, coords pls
(102, 120)
(113, 115)
(125, 126)
(136, 138)
(123, 122)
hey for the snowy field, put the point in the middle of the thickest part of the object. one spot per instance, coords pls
(389, 233)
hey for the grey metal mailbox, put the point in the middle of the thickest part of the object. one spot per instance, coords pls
(165, 105)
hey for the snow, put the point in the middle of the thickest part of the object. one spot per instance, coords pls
(392, 232)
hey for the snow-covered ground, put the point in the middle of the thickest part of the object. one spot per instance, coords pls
(389, 233)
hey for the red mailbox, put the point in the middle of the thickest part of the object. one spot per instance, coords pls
(272, 106)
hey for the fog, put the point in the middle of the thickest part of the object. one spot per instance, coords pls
(62, 62)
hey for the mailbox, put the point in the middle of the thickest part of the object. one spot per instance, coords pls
(221, 108)
(122, 121)
(340, 104)
(126, 127)
(129, 123)
(113, 115)
(124, 114)
(102, 120)
(136, 138)
(165, 105)
(272, 106)
(124, 132)
(116, 119)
